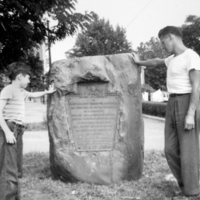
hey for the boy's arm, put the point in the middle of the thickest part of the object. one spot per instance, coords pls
(194, 76)
(40, 94)
(148, 63)
(9, 135)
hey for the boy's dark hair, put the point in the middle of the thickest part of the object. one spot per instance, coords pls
(16, 68)
(170, 29)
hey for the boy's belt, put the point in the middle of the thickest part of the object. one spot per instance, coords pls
(16, 124)
(176, 95)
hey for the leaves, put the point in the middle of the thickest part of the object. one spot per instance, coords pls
(100, 38)
(154, 76)
(191, 33)
(23, 25)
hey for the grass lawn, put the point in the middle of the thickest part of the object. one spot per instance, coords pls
(38, 184)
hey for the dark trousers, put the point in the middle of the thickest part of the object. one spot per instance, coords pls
(182, 146)
(10, 164)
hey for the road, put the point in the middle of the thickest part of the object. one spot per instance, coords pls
(38, 141)
(153, 134)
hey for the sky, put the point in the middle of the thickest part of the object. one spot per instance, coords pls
(142, 19)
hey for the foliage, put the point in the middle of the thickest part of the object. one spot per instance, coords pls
(37, 182)
(37, 70)
(1, 47)
(154, 108)
(4, 80)
(147, 88)
(36, 66)
(23, 25)
(191, 33)
(154, 76)
(100, 38)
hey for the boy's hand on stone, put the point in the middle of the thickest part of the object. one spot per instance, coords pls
(51, 89)
(10, 138)
(135, 57)
(189, 122)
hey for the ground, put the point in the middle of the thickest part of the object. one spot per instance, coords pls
(38, 183)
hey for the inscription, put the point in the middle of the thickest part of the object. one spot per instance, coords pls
(93, 122)
(92, 90)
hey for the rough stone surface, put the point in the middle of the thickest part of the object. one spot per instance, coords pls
(124, 160)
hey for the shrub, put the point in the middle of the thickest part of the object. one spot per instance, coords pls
(154, 108)
(4, 80)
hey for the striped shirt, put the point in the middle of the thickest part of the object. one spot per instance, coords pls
(14, 109)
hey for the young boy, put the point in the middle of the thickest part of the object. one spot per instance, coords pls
(12, 109)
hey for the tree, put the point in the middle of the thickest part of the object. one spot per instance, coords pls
(154, 76)
(1, 47)
(100, 38)
(37, 70)
(23, 25)
(191, 33)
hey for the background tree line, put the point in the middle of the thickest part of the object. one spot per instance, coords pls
(23, 26)
(100, 38)
(156, 77)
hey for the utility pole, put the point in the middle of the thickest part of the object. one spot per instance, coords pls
(49, 48)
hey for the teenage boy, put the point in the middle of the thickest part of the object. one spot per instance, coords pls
(12, 109)
(181, 130)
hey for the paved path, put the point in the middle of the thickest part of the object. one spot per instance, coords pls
(38, 141)
(35, 112)
(153, 134)
(35, 141)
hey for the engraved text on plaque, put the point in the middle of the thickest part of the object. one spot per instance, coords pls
(94, 121)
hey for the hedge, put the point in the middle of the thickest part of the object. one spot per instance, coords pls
(154, 108)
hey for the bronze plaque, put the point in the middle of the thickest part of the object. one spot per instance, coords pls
(93, 121)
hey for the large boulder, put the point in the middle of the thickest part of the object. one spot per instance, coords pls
(95, 119)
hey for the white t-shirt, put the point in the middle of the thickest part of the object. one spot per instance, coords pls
(14, 110)
(178, 68)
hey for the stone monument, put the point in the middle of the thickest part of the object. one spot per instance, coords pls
(95, 120)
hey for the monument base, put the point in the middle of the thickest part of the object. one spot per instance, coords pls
(95, 120)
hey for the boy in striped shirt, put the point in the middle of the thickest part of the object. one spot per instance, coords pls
(12, 110)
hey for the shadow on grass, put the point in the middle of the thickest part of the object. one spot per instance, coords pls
(38, 183)
(36, 126)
